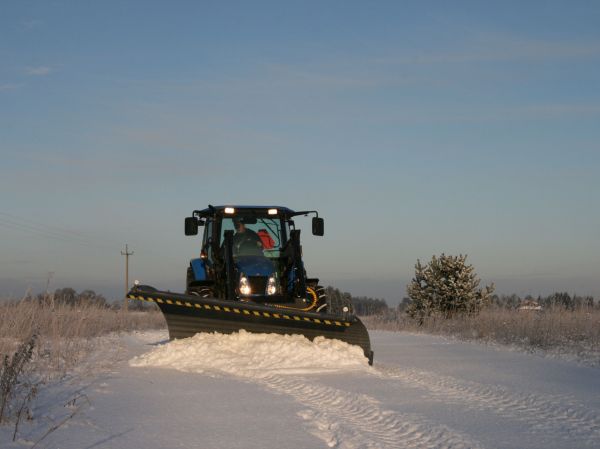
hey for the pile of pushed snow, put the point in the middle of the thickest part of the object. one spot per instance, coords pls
(254, 355)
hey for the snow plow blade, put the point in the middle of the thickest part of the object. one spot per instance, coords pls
(187, 315)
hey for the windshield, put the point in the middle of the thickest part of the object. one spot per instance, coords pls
(255, 236)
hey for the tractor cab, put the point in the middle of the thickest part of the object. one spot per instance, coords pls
(249, 253)
(256, 236)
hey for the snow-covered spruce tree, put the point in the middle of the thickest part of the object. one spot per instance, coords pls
(446, 285)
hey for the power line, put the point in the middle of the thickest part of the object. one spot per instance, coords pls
(30, 229)
(52, 232)
(41, 232)
(46, 226)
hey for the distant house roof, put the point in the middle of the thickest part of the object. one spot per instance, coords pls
(530, 304)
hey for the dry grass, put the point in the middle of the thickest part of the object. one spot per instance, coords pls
(558, 330)
(40, 342)
(66, 332)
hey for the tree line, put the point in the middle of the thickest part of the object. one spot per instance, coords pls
(69, 296)
(451, 287)
(362, 305)
(555, 300)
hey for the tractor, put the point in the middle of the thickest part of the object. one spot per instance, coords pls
(250, 275)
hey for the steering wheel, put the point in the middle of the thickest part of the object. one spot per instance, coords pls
(248, 243)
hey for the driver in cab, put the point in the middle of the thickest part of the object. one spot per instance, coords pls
(245, 240)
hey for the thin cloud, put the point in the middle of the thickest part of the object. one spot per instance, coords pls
(30, 24)
(293, 75)
(9, 86)
(39, 71)
(500, 48)
(553, 110)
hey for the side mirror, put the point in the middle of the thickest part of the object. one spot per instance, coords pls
(191, 226)
(318, 226)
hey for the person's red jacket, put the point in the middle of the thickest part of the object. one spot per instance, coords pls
(266, 239)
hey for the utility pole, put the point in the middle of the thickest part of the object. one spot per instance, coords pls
(126, 254)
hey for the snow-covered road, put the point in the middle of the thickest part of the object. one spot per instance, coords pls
(422, 392)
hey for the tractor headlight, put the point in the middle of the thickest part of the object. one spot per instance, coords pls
(272, 285)
(244, 285)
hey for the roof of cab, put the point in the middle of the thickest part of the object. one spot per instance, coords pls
(216, 209)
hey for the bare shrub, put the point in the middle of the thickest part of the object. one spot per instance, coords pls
(76, 404)
(15, 391)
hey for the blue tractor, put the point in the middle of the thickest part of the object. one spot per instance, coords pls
(250, 275)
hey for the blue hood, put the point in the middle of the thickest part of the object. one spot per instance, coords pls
(254, 265)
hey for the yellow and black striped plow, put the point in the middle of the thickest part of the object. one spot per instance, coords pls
(187, 315)
(240, 309)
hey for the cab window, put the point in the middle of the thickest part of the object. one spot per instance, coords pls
(268, 229)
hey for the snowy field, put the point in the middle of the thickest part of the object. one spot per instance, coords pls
(268, 391)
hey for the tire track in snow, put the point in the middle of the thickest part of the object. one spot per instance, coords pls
(349, 420)
(552, 415)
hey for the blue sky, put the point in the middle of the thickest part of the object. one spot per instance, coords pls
(415, 128)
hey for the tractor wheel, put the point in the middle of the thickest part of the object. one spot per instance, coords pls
(322, 304)
(203, 292)
(189, 279)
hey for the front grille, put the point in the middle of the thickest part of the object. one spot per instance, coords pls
(258, 284)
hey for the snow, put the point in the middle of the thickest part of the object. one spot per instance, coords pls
(270, 391)
(255, 356)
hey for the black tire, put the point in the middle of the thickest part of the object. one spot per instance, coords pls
(203, 292)
(322, 304)
(197, 290)
(189, 279)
